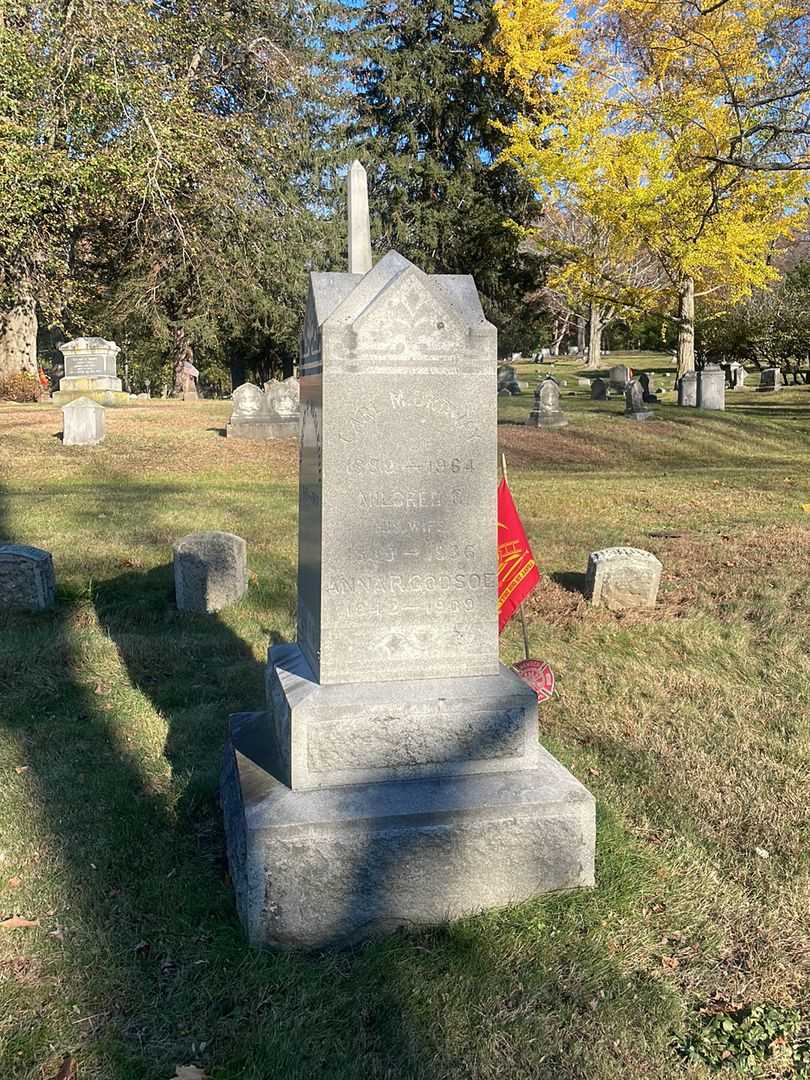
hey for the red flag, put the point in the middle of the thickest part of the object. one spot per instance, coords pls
(517, 570)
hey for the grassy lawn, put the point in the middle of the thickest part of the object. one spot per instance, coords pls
(691, 725)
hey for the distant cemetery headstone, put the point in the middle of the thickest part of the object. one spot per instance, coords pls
(26, 578)
(621, 578)
(82, 423)
(634, 402)
(507, 380)
(547, 412)
(771, 379)
(210, 571)
(269, 414)
(736, 376)
(647, 395)
(599, 390)
(396, 777)
(619, 376)
(188, 382)
(687, 388)
(711, 387)
(90, 372)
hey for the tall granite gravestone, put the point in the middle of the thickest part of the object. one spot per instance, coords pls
(396, 777)
(711, 387)
(736, 374)
(634, 402)
(26, 578)
(82, 423)
(90, 372)
(547, 412)
(646, 393)
(687, 388)
(507, 380)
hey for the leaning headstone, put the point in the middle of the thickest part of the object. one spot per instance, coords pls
(210, 571)
(547, 412)
(396, 777)
(634, 402)
(82, 423)
(711, 387)
(90, 372)
(771, 379)
(621, 578)
(687, 388)
(619, 376)
(647, 395)
(26, 578)
(507, 380)
(599, 390)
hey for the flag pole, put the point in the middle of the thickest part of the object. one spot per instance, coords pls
(520, 608)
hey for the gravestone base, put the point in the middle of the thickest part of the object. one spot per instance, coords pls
(263, 427)
(547, 421)
(329, 867)
(640, 416)
(105, 389)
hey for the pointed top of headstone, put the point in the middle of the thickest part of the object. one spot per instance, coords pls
(359, 227)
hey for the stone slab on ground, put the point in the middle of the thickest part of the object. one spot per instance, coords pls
(324, 736)
(622, 577)
(262, 427)
(26, 578)
(333, 866)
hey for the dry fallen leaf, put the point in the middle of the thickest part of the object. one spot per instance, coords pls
(17, 923)
(58, 933)
(669, 962)
(14, 882)
(189, 1072)
(67, 1070)
(21, 769)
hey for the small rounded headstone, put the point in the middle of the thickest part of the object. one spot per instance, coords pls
(210, 571)
(687, 389)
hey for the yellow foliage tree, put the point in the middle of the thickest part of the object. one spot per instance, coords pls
(681, 131)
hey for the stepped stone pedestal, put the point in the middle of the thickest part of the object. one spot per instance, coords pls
(395, 776)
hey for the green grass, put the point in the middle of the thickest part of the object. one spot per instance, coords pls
(691, 724)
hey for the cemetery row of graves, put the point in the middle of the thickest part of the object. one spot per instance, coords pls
(686, 720)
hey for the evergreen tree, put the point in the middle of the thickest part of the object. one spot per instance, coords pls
(424, 129)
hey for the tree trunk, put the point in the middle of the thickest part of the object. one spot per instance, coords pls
(560, 330)
(595, 337)
(581, 335)
(686, 328)
(182, 352)
(18, 339)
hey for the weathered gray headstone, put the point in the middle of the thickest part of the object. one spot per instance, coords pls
(507, 380)
(90, 372)
(634, 402)
(210, 571)
(621, 578)
(711, 387)
(599, 390)
(736, 376)
(771, 379)
(687, 388)
(547, 412)
(82, 422)
(619, 376)
(396, 776)
(26, 578)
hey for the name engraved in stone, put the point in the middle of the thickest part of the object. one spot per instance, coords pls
(392, 584)
(427, 402)
(400, 500)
